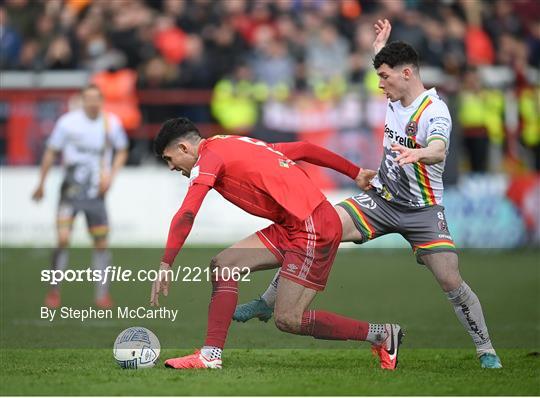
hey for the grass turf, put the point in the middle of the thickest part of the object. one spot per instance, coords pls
(272, 372)
(67, 357)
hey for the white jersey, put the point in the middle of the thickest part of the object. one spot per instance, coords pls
(425, 120)
(87, 145)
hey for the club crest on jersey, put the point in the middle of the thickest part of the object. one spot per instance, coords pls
(412, 128)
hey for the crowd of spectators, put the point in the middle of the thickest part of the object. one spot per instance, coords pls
(193, 43)
(243, 50)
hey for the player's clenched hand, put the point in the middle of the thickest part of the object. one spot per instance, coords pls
(161, 284)
(406, 155)
(363, 179)
(382, 30)
(38, 194)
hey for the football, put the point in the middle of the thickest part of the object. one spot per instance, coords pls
(136, 348)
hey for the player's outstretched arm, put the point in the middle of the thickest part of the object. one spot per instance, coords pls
(48, 160)
(319, 156)
(179, 230)
(434, 153)
(382, 30)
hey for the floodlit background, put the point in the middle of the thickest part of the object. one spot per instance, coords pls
(278, 70)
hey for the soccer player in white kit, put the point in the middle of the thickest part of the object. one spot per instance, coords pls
(405, 195)
(94, 146)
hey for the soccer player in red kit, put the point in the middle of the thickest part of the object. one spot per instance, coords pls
(263, 180)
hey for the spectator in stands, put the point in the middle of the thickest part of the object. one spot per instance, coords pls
(234, 101)
(226, 49)
(10, 42)
(23, 15)
(480, 112)
(118, 86)
(361, 58)
(272, 64)
(311, 45)
(59, 55)
(170, 40)
(196, 70)
(533, 42)
(29, 59)
(327, 57)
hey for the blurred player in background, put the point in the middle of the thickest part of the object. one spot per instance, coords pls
(93, 144)
(408, 190)
(264, 180)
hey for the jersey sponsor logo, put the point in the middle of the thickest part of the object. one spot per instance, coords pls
(445, 236)
(405, 141)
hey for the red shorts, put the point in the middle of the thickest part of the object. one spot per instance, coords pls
(306, 249)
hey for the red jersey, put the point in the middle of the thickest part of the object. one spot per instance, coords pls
(260, 178)
(256, 177)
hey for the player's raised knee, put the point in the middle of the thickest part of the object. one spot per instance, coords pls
(287, 321)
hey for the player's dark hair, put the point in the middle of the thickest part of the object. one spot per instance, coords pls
(396, 53)
(173, 130)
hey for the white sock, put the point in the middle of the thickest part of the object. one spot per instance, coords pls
(100, 260)
(469, 312)
(376, 333)
(269, 296)
(211, 353)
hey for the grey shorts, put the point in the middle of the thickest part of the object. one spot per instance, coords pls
(424, 228)
(94, 211)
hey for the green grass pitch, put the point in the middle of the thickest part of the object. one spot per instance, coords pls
(67, 357)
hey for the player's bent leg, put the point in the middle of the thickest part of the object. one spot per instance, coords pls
(263, 306)
(292, 316)
(445, 269)
(350, 231)
(291, 303)
(249, 253)
(444, 266)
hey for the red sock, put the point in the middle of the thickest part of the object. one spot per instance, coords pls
(329, 326)
(220, 312)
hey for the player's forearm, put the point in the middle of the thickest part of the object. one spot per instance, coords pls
(182, 222)
(319, 156)
(46, 163)
(431, 155)
(120, 159)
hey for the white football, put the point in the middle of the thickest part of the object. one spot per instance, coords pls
(136, 348)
